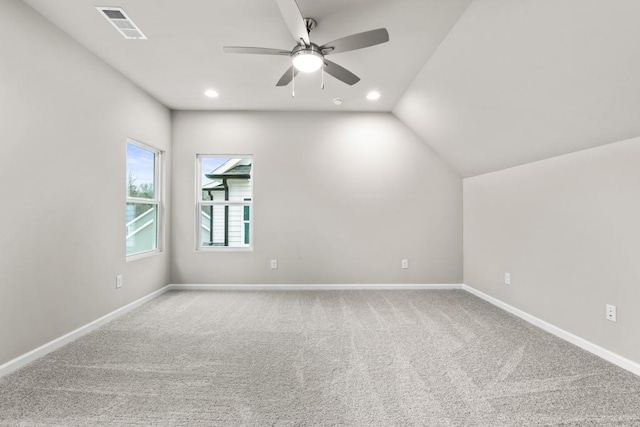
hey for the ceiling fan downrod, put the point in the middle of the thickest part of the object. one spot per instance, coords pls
(310, 23)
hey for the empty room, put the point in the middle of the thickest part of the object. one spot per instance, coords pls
(320, 213)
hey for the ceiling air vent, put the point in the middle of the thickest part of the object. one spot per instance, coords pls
(122, 23)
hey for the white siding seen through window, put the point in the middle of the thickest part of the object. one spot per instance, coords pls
(224, 196)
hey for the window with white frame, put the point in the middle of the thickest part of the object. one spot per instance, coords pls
(224, 194)
(143, 198)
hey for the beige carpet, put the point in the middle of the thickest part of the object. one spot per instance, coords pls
(357, 358)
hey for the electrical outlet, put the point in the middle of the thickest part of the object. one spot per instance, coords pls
(507, 278)
(405, 264)
(118, 281)
(611, 313)
(274, 264)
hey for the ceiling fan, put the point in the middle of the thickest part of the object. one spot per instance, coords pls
(307, 56)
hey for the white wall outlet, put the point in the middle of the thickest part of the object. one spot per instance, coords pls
(405, 264)
(507, 278)
(611, 313)
(118, 281)
(274, 264)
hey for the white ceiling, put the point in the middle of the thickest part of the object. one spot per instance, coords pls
(489, 84)
(183, 55)
(519, 81)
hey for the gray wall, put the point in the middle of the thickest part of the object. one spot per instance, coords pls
(338, 198)
(568, 231)
(64, 120)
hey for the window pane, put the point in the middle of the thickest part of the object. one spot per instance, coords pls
(142, 228)
(140, 172)
(223, 225)
(225, 178)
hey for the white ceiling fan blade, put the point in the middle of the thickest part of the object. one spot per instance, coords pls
(287, 76)
(294, 20)
(340, 73)
(356, 41)
(255, 50)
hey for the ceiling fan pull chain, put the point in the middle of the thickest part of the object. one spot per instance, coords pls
(322, 85)
(293, 82)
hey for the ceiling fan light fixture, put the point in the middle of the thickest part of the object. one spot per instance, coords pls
(307, 60)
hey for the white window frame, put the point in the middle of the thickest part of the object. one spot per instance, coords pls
(157, 198)
(199, 204)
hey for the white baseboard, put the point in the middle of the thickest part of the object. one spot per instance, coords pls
(29, 357)
(607, 355)
(314, 287)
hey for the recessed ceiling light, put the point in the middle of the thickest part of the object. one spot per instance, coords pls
(211, 93)
(338, 101)
(373, 95)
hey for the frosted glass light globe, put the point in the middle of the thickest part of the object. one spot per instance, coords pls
(307, 61)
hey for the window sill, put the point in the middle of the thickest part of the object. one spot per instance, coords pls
(224, 249)
(142, 255)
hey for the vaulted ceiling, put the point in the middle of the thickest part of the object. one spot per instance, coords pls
(519, 81)
(489, 84)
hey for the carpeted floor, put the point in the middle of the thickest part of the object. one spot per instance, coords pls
(316, 358)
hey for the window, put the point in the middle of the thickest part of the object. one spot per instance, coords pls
(246, 218)
(224, 201)
(143, 198)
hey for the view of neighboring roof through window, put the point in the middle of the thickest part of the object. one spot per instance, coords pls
(224, 202)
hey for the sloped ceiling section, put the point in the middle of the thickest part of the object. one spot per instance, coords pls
(519, 81)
